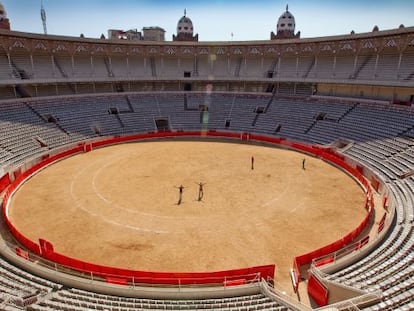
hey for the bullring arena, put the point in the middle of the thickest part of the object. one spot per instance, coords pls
(304, 148)
(123, 199)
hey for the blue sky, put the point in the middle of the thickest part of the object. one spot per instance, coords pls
(213, 20)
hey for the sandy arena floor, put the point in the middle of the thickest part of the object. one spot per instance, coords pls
(117, 206)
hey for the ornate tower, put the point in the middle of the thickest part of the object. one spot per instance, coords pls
(4, 21)
(285, 27)
(185, 30)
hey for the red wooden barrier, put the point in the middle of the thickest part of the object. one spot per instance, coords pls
(235, 282)
(16, 173)
(22, 253)
(350, 237)
(375, 183)
(385, 203)
(172, 278)
(324, 261)
(317, 291)
(382, 222)
(45, 246)
(4, 182)
(364, 241)
(360, 169)
(117, 281)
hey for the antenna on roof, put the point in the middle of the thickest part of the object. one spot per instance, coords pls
(287, 7)
(43, 16)
(185, 12)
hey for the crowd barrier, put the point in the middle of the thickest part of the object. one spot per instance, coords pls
(306, 259)
(317, 291)
(4, 182)
(121, 276)
(126, 276)
(331, 156)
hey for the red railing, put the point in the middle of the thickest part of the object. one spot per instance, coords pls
(306, 259)
(338, 160)
(4, 182)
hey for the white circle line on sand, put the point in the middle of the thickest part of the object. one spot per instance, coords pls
(299, 206)
(280, 194)
(104, 219)
(120, 206)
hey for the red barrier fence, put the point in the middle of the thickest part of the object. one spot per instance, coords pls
(317, 291)
(22, 253)
(382, 222)
(4, 182)
(170, 278)
(330, 156)
(247, 274)
(385, 203)
(375, 183)
(45, 247)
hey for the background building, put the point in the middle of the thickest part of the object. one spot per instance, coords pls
(4, 21)
(132, 34)
(153, 33)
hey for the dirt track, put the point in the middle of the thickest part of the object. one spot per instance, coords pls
(117, 206)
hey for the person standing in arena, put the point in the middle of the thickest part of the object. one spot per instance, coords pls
(200, 191)
(180, 194)
(252, 167)
(303, 163)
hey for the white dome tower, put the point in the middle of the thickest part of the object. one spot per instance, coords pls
(286, 23)
(185, 25)
(4, 21)
(3, 13)
(285, 26)
(185, 29)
